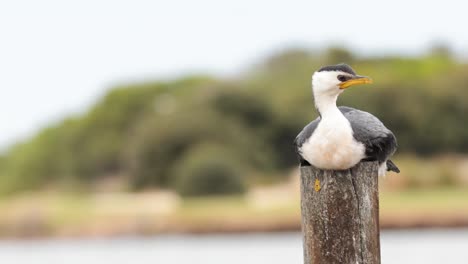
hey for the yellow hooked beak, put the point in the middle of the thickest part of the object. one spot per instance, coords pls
(355, 81)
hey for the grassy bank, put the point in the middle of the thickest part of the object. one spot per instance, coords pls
(56, 214)
(427, 193)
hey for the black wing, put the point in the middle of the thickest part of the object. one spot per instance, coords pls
(379, 141)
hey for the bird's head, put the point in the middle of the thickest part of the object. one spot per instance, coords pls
(332, 80)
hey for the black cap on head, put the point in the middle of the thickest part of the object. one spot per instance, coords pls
(339, 67)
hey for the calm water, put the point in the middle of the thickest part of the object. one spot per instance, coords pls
(432, 246)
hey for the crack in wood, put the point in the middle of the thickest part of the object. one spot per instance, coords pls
(340, 222)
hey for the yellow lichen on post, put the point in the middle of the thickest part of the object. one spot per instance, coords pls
(317, 185)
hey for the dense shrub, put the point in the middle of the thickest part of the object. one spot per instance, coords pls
(249, 108)
(208, 170)
(157, 146)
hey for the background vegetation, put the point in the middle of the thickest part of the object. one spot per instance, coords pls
(204, 135)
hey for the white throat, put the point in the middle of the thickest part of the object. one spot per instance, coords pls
(326, 104)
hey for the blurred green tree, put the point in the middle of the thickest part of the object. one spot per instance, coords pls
(145, 130)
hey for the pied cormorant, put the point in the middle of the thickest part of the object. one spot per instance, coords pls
(343, 136)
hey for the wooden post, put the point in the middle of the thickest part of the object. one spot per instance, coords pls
(340, 215)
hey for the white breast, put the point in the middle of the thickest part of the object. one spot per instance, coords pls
(332, 145)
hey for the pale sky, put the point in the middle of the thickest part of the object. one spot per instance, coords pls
(58, 57)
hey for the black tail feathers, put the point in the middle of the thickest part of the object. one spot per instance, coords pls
(392, 167)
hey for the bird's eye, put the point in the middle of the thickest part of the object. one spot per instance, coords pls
(342, 78)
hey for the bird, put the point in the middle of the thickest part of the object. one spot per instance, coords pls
(341, 137)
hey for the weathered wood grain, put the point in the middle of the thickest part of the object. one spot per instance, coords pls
(340, 215)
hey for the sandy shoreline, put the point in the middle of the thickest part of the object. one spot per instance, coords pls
(274, 209)
(216, 227)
